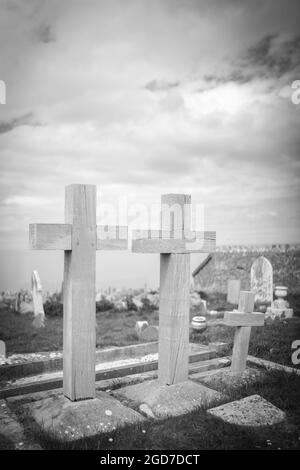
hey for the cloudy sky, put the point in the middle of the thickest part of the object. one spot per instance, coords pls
(142, 98)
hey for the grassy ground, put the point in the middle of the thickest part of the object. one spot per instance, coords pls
(198, 430)
(113, 329)
(272, 342)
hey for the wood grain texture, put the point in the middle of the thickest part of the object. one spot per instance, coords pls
(244, 319)
(50, 237)
(242, 335)
(166, 241)
(79, 340)
(174, 299)
(112, 237)
(240, 349)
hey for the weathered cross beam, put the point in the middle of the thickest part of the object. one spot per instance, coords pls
(175, 241)
(243, 319)
(79, 238)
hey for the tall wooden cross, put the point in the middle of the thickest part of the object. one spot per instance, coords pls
(175, 241)
(79, 238)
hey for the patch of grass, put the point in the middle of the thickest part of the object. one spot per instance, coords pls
(113, 329)
(271, 342)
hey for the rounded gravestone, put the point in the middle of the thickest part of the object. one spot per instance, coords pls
(262, 279)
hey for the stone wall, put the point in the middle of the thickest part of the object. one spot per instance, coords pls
(234, 262)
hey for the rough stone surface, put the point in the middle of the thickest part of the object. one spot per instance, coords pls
(169, 400)
(140, 326)
(219, 346)
(262, 279)
(223, 377)
(234, 262)
(250, 411)
(150, 333)
(12, 434)
(71, 421)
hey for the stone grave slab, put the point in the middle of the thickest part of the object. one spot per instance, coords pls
(251, 411)
(71, 421)
(169, 400)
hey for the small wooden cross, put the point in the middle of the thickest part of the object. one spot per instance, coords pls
(243, 320)
(79, 238)
(174, 242)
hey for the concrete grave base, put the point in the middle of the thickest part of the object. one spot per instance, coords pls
(168, 400)
(250, 411)
(223, 377)
(70, 421)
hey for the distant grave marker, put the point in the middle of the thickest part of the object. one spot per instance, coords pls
(37, 300)
(242, 319)
(233, 291)
(262, 280)
(2, 350)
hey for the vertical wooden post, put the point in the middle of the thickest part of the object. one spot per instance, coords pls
(174, 299)
(79, 294)
(242, 335)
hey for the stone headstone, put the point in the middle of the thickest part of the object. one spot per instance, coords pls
(38, 308)
(140, 326)
(233, 291)
(2, 350)
(150, 333)
(262, 280)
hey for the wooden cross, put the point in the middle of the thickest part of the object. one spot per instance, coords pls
(243, 320)
(175, 241)
(79, 238)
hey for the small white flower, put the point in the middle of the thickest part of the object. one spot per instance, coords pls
(110, 439)
(108, 412)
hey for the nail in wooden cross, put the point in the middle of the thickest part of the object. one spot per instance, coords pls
(175, 241)
(79, 238)
(243, 320)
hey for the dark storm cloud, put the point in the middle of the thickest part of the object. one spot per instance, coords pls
(275, 59)
(271, 57)
(160, 85)
(24, 120)
(44, 34)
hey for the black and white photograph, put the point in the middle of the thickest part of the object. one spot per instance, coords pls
(150, 230)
